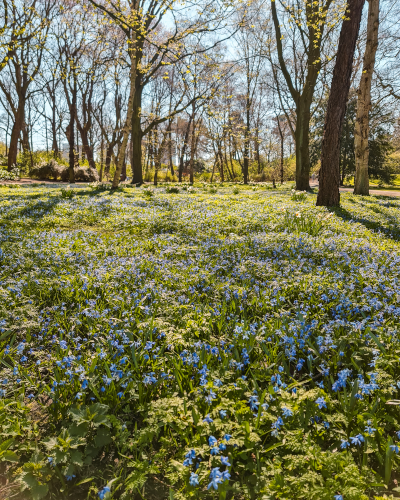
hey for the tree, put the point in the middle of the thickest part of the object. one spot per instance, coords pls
(309, 20)
(329, 178)
(150, 47)
(361, 183)
(30, 23)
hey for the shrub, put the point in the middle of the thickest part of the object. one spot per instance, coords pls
(6, 175)
(236, 190)
(48, 170)
(82, 174)
(170, 178)
(172, 189)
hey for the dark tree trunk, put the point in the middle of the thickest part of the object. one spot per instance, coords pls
(282, 144)
(171, 163)
(101, 158)
(15, 133)
(109, 153)
(303, 143)
(71, 137)
(136, 138)
(184, 147)
(329, 178)
(86, 148)
(246, 145)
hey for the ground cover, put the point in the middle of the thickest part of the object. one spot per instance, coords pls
(238, 343)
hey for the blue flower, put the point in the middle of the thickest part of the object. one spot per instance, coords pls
(222, 413)
(338, 497)
(394, 448)
(212, 441)
(226, 476)
(320, 402)
(225, 461)
(190, 456)
(103, 492)
(215, 478)
(287, 412)
(227, 437)
(345, 444)
(208, 419)
(369, 430)
(194, 479)
(357, 440)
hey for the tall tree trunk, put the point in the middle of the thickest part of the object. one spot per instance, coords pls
(221, 161)
(303, 116)
(171, 163)
(109, 155)
(15, 133)
(192, 144)
(246, 145)
(71, 137)
(184, 147)
(282, 144)
(329, 178)
(361, 131)
(54, 146)
(136, 138)
(101, 157)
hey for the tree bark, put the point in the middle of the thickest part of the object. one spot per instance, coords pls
(329, 178)
(361, 131)
(302, 137)
(184, 147)
(15, 133)
(282, 144)
(136, 138)
(192, 144)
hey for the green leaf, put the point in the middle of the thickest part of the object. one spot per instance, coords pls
(10, 456)
(86, 480)
(103, 438)
(76, 458)
(5, 445)
(39, 491)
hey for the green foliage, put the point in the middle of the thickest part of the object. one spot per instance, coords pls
(381, 164)
(6, 175)
(298, 195)
(67, 192)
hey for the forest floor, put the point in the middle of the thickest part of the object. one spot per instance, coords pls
(216, 342)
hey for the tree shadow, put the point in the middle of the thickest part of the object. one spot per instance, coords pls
(391, 229)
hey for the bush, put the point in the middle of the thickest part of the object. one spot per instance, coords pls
(6, 175)
(170, 178)
(82, 174)
(172, 189)
(48, 170)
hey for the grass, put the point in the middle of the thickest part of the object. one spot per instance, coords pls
(220, 344)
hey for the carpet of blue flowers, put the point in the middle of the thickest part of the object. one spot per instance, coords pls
(237, 343)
